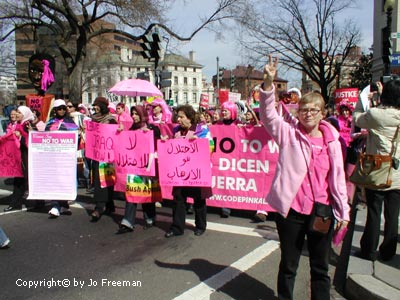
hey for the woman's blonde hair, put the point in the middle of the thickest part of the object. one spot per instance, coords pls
(313, 97)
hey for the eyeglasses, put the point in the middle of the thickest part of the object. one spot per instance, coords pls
(312, 111)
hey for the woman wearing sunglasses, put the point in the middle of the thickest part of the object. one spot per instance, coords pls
(60, 121)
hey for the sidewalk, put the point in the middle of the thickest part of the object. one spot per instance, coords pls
(371, 280)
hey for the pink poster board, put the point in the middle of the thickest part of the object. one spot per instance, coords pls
(134, 155)
(10, 156)
(244, 164)
(100, 141)
(184, 162)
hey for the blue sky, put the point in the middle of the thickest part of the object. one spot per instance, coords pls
(208, 47)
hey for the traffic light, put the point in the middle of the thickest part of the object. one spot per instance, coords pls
(152, 46)
(165, 79)
(146, 45)
(233, 80)
(387, 50)
(143, 75)
(221, 73)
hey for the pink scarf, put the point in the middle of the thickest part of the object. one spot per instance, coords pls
(47, 76)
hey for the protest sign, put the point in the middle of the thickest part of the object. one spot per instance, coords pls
(184, 162)
(243, 167)
(100, 144)
(52, 164)
(10, 156)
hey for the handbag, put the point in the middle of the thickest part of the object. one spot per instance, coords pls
(320, 218)
(374, 171)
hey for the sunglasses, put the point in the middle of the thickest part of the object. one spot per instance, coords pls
(61, 108)
(70, 106)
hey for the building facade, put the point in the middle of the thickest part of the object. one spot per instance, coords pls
(382, 16)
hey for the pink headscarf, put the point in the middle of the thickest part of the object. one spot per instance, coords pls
(47, 76)
(166, 113)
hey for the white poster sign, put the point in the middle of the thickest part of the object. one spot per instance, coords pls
(52, 165)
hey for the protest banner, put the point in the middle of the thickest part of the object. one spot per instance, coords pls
(347, 95)
(184, 162)
(142, 189)
(52, 165)
(10, 156)
(134, 155)
(100, 144)
(243, 167)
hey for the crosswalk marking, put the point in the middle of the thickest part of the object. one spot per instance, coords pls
(203, 290)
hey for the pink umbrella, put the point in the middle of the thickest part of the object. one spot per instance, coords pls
(135, 87)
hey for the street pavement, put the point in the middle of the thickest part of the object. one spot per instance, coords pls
(377, 280)
(234, 259)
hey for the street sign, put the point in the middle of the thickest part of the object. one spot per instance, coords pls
(395, 59)
(395, 35)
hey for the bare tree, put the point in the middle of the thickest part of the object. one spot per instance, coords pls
(305, 34)
(73, 24)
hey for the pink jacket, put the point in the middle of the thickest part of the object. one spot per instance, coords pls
(294, 150)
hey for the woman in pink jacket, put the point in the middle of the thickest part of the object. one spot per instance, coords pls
(309, 171)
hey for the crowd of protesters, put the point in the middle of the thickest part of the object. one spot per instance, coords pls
(317, 153)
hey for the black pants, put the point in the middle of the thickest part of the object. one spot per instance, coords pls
(370, 238)
(103, 197)
(292, 232)
(179, 208)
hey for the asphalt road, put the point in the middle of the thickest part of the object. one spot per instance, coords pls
(72, 258)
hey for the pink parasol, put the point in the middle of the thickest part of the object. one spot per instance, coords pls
(135, 87)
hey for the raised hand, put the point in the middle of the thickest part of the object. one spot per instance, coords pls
(270, 70)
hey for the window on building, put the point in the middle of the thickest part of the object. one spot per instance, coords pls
(194, 97)
(194, 81)
(185, 98)
(185, 81)
(98, 80)
(194, 70)
(279, 85)
(89, 98)
(176, 68)
(175, 80)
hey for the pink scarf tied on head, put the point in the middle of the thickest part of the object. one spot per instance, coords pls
(47, 76)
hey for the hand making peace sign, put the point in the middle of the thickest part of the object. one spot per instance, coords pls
(270, 71)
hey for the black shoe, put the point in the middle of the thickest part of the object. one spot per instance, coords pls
(124, 229)
(95, 216)
(362, 255)
(171, 233)
(11, 208)
(198, 232)
(189, 210)
(148, 226)
(224, 215)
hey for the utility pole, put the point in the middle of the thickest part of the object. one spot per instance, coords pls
(217, 94)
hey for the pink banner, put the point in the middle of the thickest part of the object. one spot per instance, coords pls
(10, 156)
(184, 162)
(134, 155)
(244, 164)
(100, 141)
